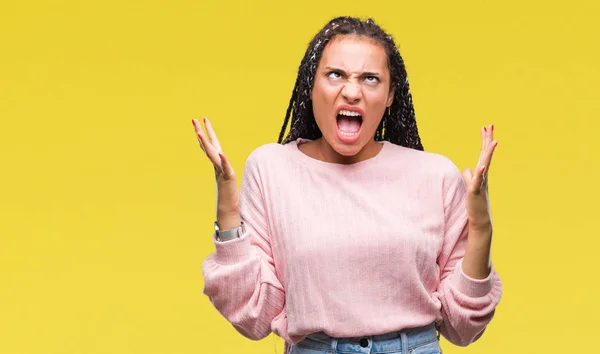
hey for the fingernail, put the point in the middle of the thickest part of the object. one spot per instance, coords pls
(222, 155)
(193, 121)
(483, 169)
(200, 135)
(204, 120)
(485, 129)
(496, 143)
(492, 127)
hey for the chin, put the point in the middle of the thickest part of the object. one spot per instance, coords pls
(347, 149)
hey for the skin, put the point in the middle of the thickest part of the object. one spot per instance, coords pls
(477, 259)
(351, 57)
(353, 71)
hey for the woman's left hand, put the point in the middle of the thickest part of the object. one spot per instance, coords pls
(478, 205)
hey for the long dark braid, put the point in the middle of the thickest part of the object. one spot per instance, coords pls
(398, 124)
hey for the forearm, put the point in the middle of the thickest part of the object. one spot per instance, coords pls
(246, 292)
(228, 220)
(477, 261)
(228, 215)
(471, 291)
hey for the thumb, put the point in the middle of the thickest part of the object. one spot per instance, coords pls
(467, 174)
(226, 167)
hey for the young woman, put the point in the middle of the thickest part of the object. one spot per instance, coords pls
(347, 237)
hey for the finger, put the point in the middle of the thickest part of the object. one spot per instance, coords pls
(479, 178)
(196, 125)
(226, 167)
(483, 133)
(489, 153)
(207, 147)
(212, 135)
(467, 175)
(471, 181)
(210, 151)
(201, 144)
(489, 135)
(198, 131)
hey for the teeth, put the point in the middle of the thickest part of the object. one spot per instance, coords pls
(347, 133)
(349, 113)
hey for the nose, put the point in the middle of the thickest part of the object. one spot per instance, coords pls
(352, 92)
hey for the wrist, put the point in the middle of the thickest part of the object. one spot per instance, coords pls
(228, 221)
(227, 210)
(480, 229)
(476, 261)
(227, 235)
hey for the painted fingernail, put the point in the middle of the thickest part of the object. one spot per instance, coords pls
(222, 155)
(496, 143)
(204, 120)
(492, 127)
(483, 169)
(193, 121)
(485, 129)
(200, 135)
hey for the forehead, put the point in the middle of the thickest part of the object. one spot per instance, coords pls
(354, 53)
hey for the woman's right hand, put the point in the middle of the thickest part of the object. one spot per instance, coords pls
(228, 216)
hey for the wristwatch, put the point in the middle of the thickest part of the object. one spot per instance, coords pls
(226, 235)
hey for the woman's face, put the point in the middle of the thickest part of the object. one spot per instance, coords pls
(351, 92)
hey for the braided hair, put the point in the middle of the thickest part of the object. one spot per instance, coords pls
(398, 124)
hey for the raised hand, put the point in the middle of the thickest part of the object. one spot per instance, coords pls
(477, 262)
(227, 190)
(478, 206)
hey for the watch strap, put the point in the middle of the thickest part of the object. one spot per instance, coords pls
(227, 235)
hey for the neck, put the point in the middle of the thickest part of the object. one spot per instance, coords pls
(325, 152)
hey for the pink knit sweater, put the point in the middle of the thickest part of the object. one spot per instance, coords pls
(350, 250)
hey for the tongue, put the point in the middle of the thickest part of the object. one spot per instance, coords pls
(348, 124)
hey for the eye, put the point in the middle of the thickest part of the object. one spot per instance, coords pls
(334, 75)
(371, 78)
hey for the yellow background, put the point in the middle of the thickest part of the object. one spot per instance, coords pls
(107, 202)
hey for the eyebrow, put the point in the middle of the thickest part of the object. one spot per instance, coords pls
(366, 73)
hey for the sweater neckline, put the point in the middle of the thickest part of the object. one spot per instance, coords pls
(310, 161)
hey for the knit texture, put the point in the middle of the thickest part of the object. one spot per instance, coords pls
(351, 250)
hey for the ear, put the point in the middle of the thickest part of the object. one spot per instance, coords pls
(390, 98)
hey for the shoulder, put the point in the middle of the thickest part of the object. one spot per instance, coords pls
(266, 164)
(267, 156)
(429, 167)
(267, 152)
(431, 163)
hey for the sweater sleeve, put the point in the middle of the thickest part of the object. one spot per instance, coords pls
(239, 277)
(468, 304)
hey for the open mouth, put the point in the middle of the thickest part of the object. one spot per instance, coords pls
(349, 123)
